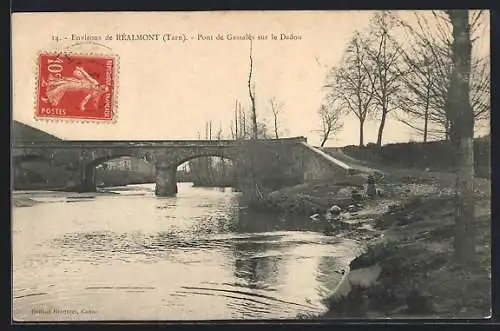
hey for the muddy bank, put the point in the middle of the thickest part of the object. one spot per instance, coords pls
(32, 198)
(406, 269)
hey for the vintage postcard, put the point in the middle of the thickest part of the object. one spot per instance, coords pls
(250, 165)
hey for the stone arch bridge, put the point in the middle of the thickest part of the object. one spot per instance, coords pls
(283, 161)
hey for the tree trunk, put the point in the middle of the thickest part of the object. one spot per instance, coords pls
(381, 128)
(252, 97)
(361, 133)
(426, 114)
(236, 121)
(323, 141)
(426, 123)
(464, 243)
(462, 132)
(276, 126)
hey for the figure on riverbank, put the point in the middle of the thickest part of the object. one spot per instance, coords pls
(371, 190)
(356, 197)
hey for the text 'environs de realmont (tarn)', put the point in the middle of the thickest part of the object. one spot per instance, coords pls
(179, 37)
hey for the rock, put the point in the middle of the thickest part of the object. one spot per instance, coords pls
(314, 217)
(352, 208)
(335, 210)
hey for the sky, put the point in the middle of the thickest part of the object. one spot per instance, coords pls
(169, 90)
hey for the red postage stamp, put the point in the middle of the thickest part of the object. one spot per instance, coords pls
(76, 87)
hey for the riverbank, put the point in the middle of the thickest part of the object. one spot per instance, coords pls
(406, 269)
(34, 197)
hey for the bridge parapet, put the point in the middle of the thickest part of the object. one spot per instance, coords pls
(342, 165)
(320, 165)
(88, 144)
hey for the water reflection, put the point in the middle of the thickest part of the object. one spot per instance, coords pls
(255, 266)
(199, 255)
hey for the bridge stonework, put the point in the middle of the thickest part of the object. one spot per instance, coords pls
(274, 163)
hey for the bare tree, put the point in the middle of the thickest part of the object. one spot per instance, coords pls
(220, 133)
(251, 92)
(208, 130)
(222, 161)
(431, 43)
(480, 88)
(352, 83)
(383, 54)
(430, 39)
(276, 109)
(234, 125)
(330, 122)
(242, 122)
(415, 98)
(461, 115)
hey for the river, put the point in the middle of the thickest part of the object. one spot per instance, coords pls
(197, 256)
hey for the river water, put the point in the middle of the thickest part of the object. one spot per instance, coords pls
(197, 256)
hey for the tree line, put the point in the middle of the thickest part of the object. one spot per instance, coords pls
(404, 67)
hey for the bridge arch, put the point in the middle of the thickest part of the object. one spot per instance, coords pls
(208, 169)
(117, 155)
(95, 176)
(185, 159)
(166, 170)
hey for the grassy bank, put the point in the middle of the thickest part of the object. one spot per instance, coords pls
(417, 276)
(410, 246)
